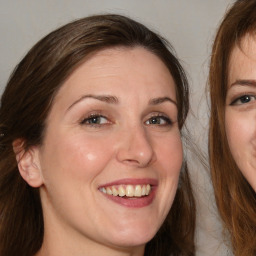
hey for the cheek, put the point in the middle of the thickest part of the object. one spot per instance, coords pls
(240, 131)
(241, 136)
(76, 157)
(170, 154)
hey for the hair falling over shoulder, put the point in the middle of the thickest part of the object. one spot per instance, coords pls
(25, 105)
(236, 200)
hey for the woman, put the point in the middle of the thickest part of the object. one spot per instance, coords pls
(91, 152)
(232, 156)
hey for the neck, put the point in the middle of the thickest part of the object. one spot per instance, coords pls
(61, 240)
(49, 250)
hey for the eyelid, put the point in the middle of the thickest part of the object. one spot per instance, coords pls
(234, 100)
(91, 117)
(237, 91)
(166, 118)
(94, 114)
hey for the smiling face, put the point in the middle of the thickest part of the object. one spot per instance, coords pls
(240, 114)
(111, 156)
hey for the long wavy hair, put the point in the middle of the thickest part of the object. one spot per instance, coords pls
(25, 105)
(236, 200)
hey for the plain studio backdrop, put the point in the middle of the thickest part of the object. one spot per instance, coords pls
(189, 25)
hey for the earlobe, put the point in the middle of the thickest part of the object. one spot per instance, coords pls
(28, 163)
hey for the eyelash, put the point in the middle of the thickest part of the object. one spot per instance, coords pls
(245, 96)
(92, 119)
(167, 120)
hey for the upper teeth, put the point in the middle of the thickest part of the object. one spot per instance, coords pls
(127, 190)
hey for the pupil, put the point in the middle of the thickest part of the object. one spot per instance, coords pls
(245, 99)
(95, 120)
(154, 121)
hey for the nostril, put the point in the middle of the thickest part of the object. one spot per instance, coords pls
(131, 161)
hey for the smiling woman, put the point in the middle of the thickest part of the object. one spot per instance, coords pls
(91, 154)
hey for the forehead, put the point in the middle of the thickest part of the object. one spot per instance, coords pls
(120, 68)
(246, 46)
(243, 58)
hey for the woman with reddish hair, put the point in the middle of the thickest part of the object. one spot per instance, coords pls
(232, 136)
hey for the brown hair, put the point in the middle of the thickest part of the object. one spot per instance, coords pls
(25, 105)
(235, 198)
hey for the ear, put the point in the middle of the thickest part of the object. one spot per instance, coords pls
(28, 163)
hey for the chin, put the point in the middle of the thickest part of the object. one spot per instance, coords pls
(134, 238)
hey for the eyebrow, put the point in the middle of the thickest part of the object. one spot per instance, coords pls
(114, 100)
(242, 82)
(160, 100)
(104, 98)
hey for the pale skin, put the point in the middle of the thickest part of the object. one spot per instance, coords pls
(114, 118)
(240, 113)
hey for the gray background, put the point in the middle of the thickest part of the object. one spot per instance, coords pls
(188, 24)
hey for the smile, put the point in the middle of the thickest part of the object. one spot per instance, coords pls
(132, 193)
(127, 190)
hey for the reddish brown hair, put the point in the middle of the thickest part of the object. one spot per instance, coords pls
(24, 108)
(235, 198)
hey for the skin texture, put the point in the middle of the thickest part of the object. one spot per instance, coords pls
(78, 157)
(241, 108)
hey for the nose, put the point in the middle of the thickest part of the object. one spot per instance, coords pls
(135, 148)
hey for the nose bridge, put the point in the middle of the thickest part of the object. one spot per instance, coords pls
(136, 146)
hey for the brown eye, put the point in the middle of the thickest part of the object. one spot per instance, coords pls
(243, 100)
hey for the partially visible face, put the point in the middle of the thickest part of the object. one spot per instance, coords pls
(240, 119)
(112, 152)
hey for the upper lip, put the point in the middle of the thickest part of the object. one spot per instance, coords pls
(131, 181)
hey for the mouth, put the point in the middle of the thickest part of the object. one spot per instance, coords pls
(127, 190)
(135, 193)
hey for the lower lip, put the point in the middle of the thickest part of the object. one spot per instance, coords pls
(135, 202)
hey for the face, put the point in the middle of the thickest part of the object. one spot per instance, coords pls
(240, 119)
(112, 152)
